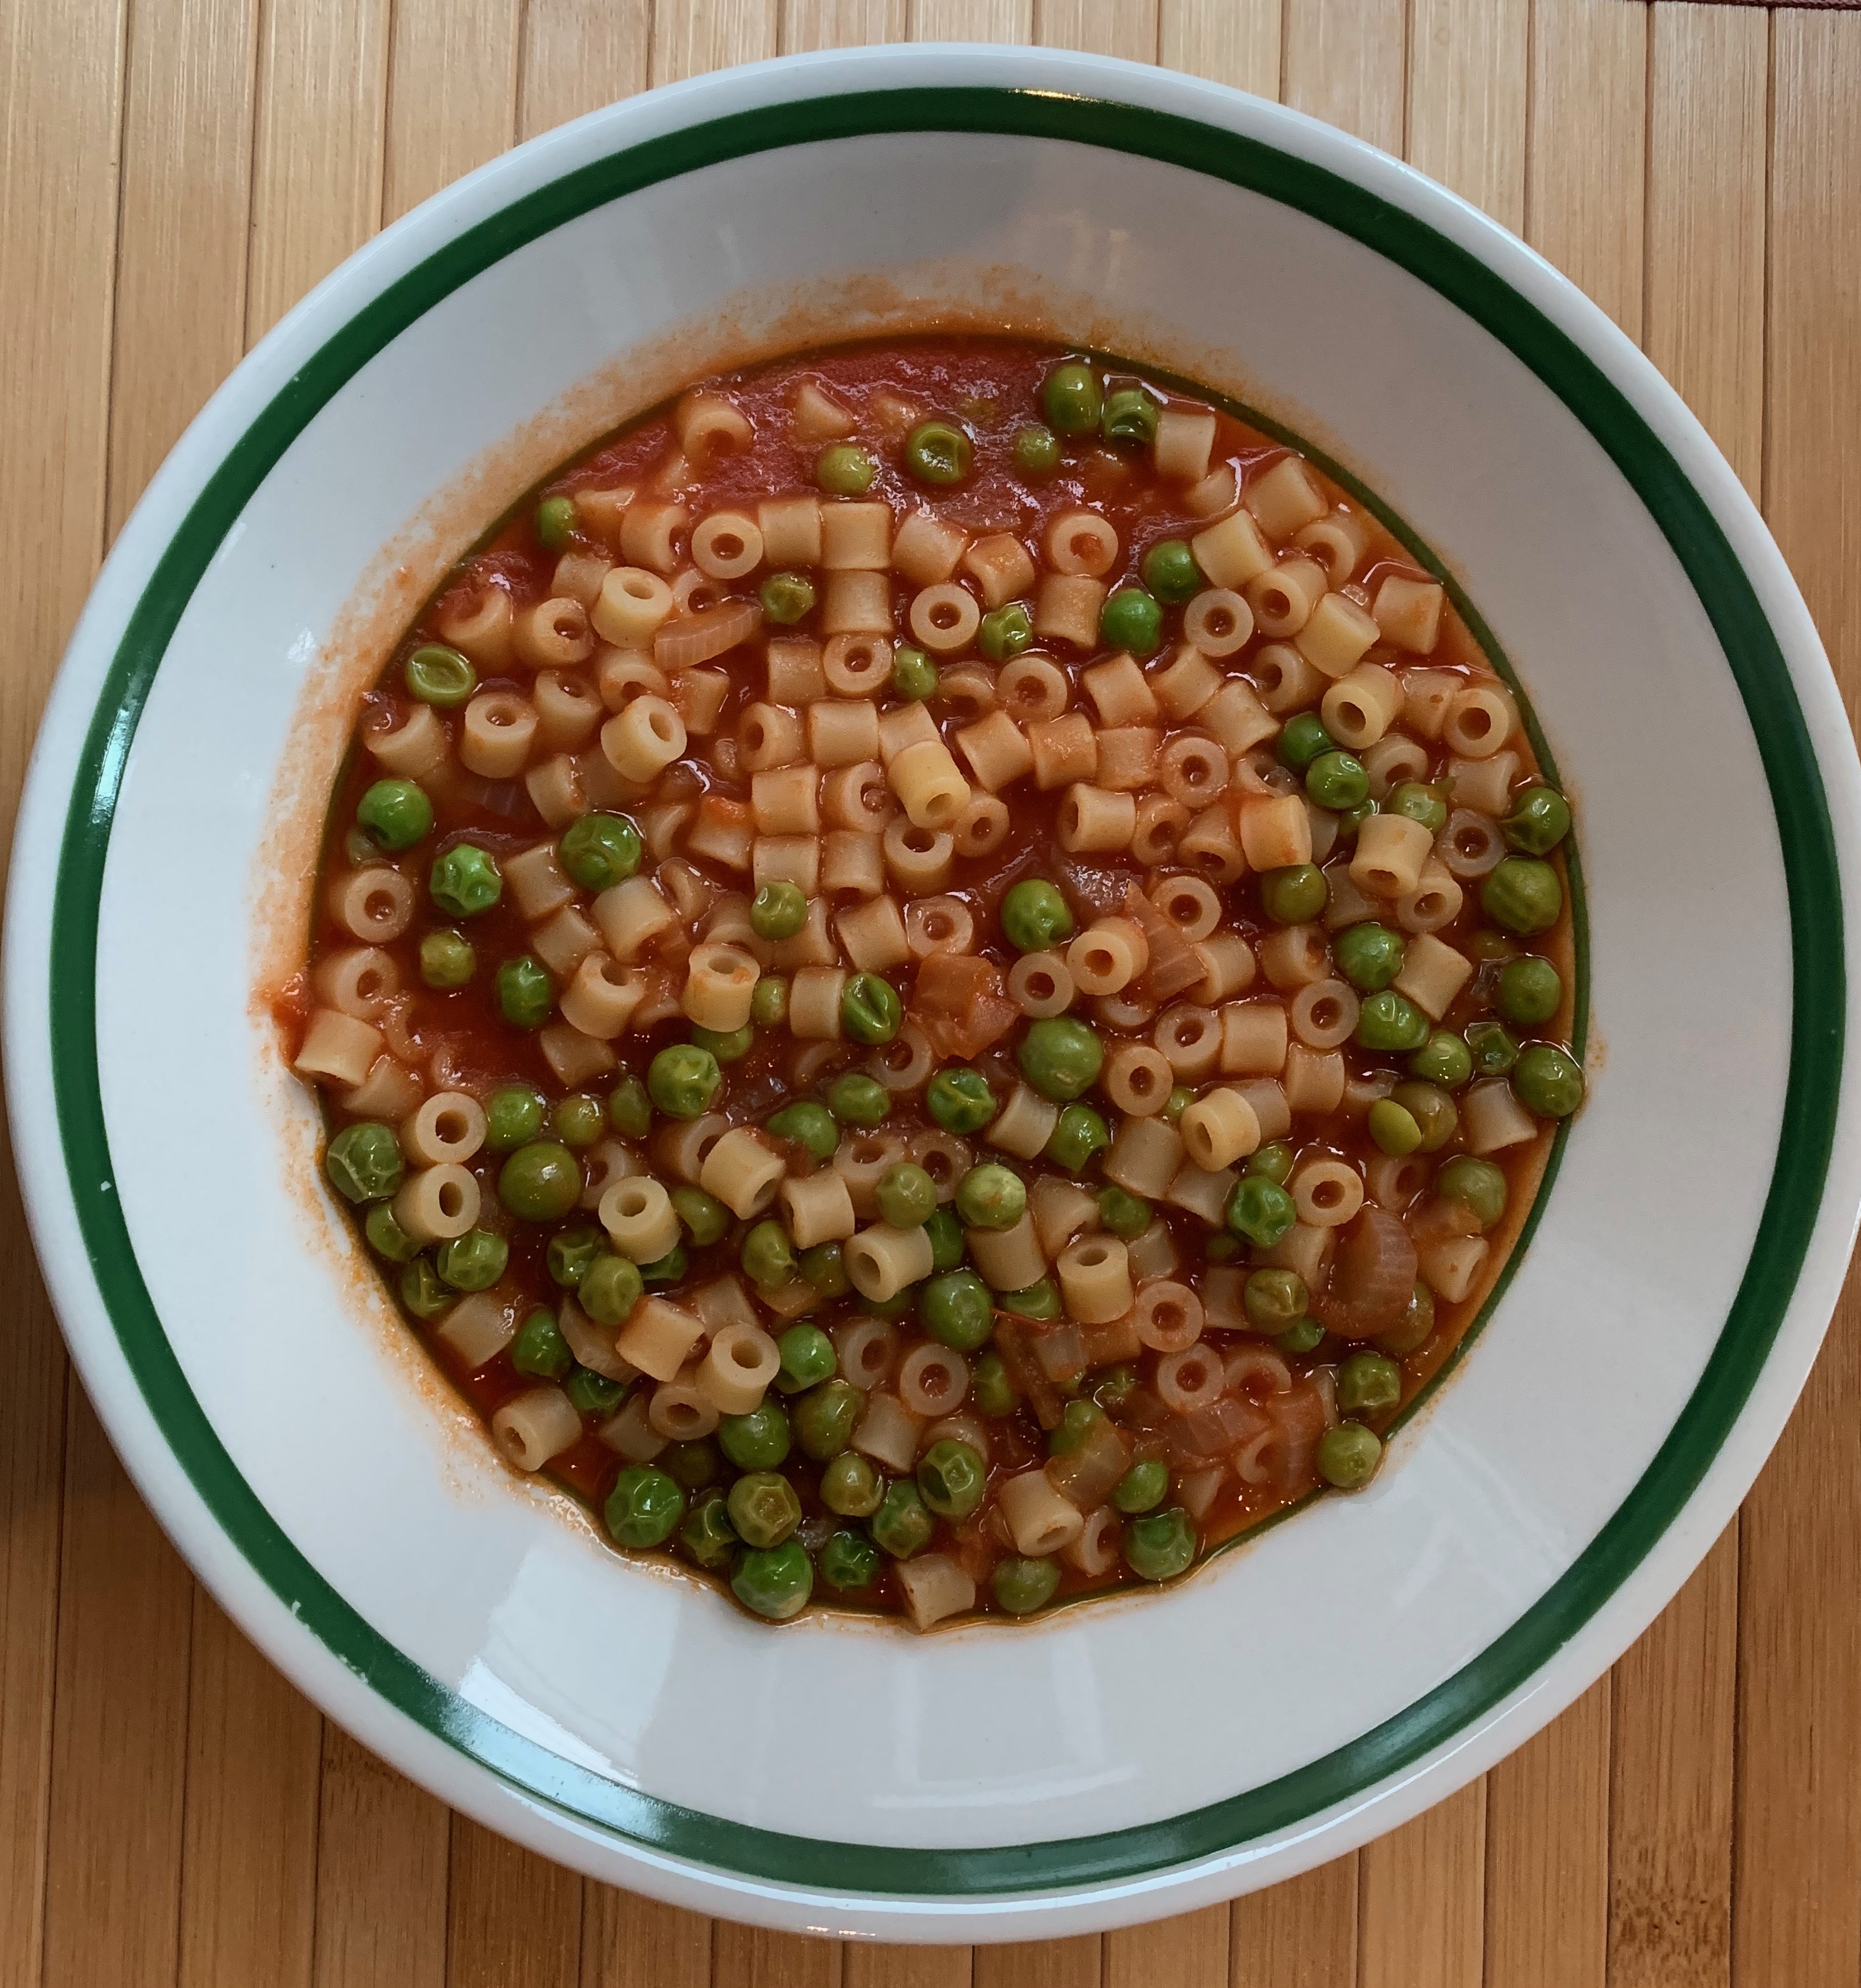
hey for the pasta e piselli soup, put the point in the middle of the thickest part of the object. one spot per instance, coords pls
(939, 980)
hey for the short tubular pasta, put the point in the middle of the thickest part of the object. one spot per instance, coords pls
(929, 788)
(1327, 1193)
(536, 1425)
(1033, 688)
(631, 606)
(1095, 1276)
(415, 748)
(1218, 622)
(1157, 828)
(1040, 1521)
(933, 1380)
(1192, 905)
(638, 1215)
(1081, 542)
(938, 924)
(449, 1126)
(1435, 901)
(553, 635)
(679, 1409)
(726, 544)
(738, 1369)
(944, 1157)
(1091, 819)
(1138, 1079)
(944, 618)
(497, 734)
(437, 1203)
(1479, 720)
(1193, 771)
(1283, 598)
(1040, 984)
(1109, 955)
(375, 905)
(1219, 1128)
(918, 858)
(477, 620)
(1471, 845)
(1323, 1014)
(1191, 1380)
(719, 986)
(358, 981)
(647, 735)
(1189, 1038)
(906, 1062)
(981, 828)
(1168, 1316)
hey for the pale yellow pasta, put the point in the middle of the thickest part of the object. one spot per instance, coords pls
(1002, 567)
(1145, 1155)
(1184, 684)
(477, 623)
(1427, 695)
(1284, 497)
(1314, 1081)
(1180, 447)
(1218, 492)
(795, 675)
(1151, 1255)
(812, 945)
(1157, 829)
(414, 748)
(574, 1058)
(1109, 954)
(1433, 974)
(1033, 688)
(708, 428)
(1394, 1179)
(1218, 621)
(1040, 1521)
(888, 1433)
(1335, 636)
(1435, 901)
(813, 1003)
(927, 549)
(538, 886)
(727, 545)
(449, 1126)
(1360, 708)
(1212, 845)
(720, 984)
(787, 859)
(873, 935)
(1327, 1193)
(1452, 1268)
(578, 576)
(787, 800)
(933, 1380)
(1336, 541)
(997, 749)
(1293, 957)
(1190, 904)
(554, 634)
(1188, 1037)
(1323, 1014)
(1094, 1276)
(389, 1091)
(341, 1047)
(1285, 680)
(1194, 770)
(632, 605)
(982, 826)
(629, 1434)
(855, 536)
(856, 604)
(1479, 720)
(1009, 1260)
(1228, 968)
(1138, 1079)
(1485, 785)
(644, 739)
(856, 665)
(437, 1203)
(630, 915)
(817, 1208)
(1283, 598)
(918, 859)
(1471, 844)
(1408, 611)
(791, 530)
(1065, 749)
(680, 1409)
(722, 833)
(1092, 820)
(1391, 850)
(601, 998)
(1133, 1009)
(1040, 985)
(1067, 609)
(942, 1155)
(1267, 1095)
(905, 726)
(1202, 1194)
(1492, 1118)
(1194, 1378)
(1081, 542)
(1391, 761)
(357, 981)
(944, 618)
(477, 1328)
(856, 796)
(936, 1587)
(638, 1215)
(659, 1337)
(682, 1149)
(1236, 717)
(535, 1425)
(818, 417)
(932, 790)
(1360, 1093)
(567, 710)
(649, 534)
(1231, 551)
(376, 903)
(1276, 831)
(862, 1160)
(1218, 1128)
(852, 862)
(743, 1170)
(881, 1261)
(1254, 1036)
(1060, 1208)
(768, 735)
(1024, 1125)
(1121, 692)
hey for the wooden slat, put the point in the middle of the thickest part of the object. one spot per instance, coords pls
(1052, 1963)
(841, 24)
(1469, 62)
(752, 1957)
(972, 20)
(575, 58)
(633, 1942)
(380, 1875)
(452, 94)
(1346, 61)
(1126, 28)
(1234, 41)
(691, 36)
(1190, 1951)
(513, 1916)
(871, 1966)
(1301, 1934)
(1419, 1912)
(1796, 1906)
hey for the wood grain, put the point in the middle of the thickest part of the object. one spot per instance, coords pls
(381, 1875)
(1124, 28)
(1420, 1905)
(512, 1916)
(1301, 1934)
(1051, 1963)
(574, 58)
(972, 20)
(452, 95)
(1347, 61)
(1469, 66)
(773, 1959)
(691, 36)
(875, 1966)
(840, 24)
(1190, 1952)
(631, 1943)
(1234, 41)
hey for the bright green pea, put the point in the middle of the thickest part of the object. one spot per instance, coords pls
(669, 1269)
(1124, 1214)
(1369, 955)
(808, 1125)
(1522, 894)
(1490, 1048)
(708, 1534)
(951, 1479)
(957, 1310)
(540, 1349)
(1530, 990)
(579, 1120)
(1273, 1160)
(435, 674)
(683, 1080)
(825, 1418)
(938, 453)
(959, 1099)
(643, 1506)
(526, 995)
(786, 597)
(1416, 1326)
(1170, 572)
(1161, 1546)
(808, 1357)
(757, 1440)
(870, 1009)
(778, 911)
(913, 675)
(1391, 1023)
(907, 1196)
(1072, 398)
(991, 1196)
(849, 1560)
(1336, 780)
(705, 1217)
(849, 1486)
(1348, 1454)
(1539, 821)
(991, 1388)
(1294, 895)
(1299, 1338)
(1303, 739)
(1393, 1129)
(1444, 1058)
(763, 1506)
(570, 1251)
(465, 880)
(387, 1237)
(1078, 1138)
(1131, 619)
(1415, 802)
(1130, 416)
(1352, 819)
(845, 469)
(1432, 1113)
(1548, 1082)
(1478, 1183)
(856, 1099)
(731, 1047)
(948, 1247)
(556, 520)
(610, 1288)
(1143, 1487)
(902, 1523)
(1039, 1301)
(363, 1161)
(1078, 1420)
(769, 1001)
(1034, 916)
(1368, 1383)
(1275, 1300)
(1005, 631)
(1060, 1057)
(774, 1582)
(768, 1257)
(1260, 1211)
(395, 814)
(592, 1394)
(422, 1293)
(447, 960)
(821, 1267)
(600, 850)
(1037, 451)
(1021, 1586)
(540, 1182)
(473, 1262)
(630, 1109)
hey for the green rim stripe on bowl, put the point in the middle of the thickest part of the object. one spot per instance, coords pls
(1818, 1000)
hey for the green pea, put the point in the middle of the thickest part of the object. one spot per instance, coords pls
(1005, 631)
(1021, 1586)
(821, 1267)
(1391, 1023)
(845, 469)
(1303, 739)
(1489, 948)
(938, 453)
(1275, 1300)
(991, 1196)
(695, 1464)
(1531, 989)
(708, 1534)
(778, 911)
(1444, 1058)
(447, 960)
(1034, 916)
(1060, 1057)
(1416, 1325)
(991, 1388)
(465, 881)
(826, 1415)
(1078, 1420)
(1522, 894)
(579, 1120)
(569, 1253)
(731, 1047)
(1162, 1546)
(473, 1262)
(851, 1486)
(902, 1523)
(436, 675)
(768, 1256)
(540, 1349)
(1415, 802)
(808, 1125)
(395, 814)
(1490, 1049)
(1131, 619)
(857, 1098)
(952, 1478)
(763, 1506)
(669, 1269)
(683, 1080)
(907, 1196)
(554, 520)
(808, 1357)
(1143, 1487)
(540, 1182)
(1114, 1387)
(948, 1248)
(1393, 1129)
(643, 1506)
(1124, 1214)
(1078, 1138)
(769, 1001)
(1430, 1109)
(1071, 398)
(1351, 818)
(1480, 1184)
(786, 597)
(1130, 416)
(705, 1217)
(1348, 1454)
(1539, 821)
(422, 1293)
(1170, 572)
(1260, 1211)
(600, 850)
(1370, 955)
(1336, 780)
(870, 1009)
(630, 1109)
(1294, 895)
(363, 1161)
(592, 1394)
(387, 1237)
(1220, 1249)
(526, 995)
(849, 1560)
(913, 675)
(610, 1286)
(1037, 451)
(757, 1440)
(1274, 1160)
(1039, 1301)
(1368, 1383)
(959, 1100)
(957, 1310)
(775, 1582)
(1299, 1338)
(1549, 1084)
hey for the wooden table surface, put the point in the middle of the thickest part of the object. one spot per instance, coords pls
(177, 174)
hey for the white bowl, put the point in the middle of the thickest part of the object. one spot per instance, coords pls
(1126, 1759)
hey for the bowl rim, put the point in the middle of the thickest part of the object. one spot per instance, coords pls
(1763, 1353)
